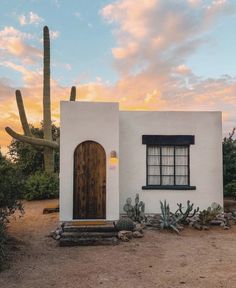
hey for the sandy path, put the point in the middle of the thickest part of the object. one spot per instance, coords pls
(194, 259)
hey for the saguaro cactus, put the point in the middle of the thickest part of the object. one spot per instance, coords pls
(47, 143)
(47, 122)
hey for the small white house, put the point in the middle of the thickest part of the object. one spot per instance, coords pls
(107, 155)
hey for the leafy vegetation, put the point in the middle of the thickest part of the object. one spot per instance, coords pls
(9, 194)
(229, 165)
(41, 185)
(28, 160)
(230, 189)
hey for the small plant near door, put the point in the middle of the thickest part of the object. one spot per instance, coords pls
(125, 224)
(136, 211)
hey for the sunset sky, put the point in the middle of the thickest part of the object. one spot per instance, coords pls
(147, 55)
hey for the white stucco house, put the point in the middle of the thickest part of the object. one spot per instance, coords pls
(108, 155)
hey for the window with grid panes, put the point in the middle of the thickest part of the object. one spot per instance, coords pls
(168, 162)
(167, 165)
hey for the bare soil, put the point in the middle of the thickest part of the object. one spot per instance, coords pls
(160, 259)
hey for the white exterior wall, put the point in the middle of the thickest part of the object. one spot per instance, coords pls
(205, 157)
(82, 121)
(122, 131)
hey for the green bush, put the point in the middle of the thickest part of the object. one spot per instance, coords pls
(10, 187)
(229, 161)
(41, 185)
(3, 240)
(230, 189)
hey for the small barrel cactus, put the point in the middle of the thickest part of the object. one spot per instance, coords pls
(125, 224)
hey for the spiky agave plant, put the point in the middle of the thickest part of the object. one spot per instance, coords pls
(46, 143)
(168, 219)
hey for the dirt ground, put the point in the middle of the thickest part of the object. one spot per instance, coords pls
(160, 259)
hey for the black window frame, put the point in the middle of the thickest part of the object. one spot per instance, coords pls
(170, 141)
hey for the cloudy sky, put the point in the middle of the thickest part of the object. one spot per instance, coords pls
(147, 55)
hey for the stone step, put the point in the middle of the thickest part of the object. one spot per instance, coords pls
(88, 222)
(69, 241)
(88, 234)
(90, 228)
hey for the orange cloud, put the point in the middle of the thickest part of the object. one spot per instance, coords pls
(121, 53)
(29, 77)
(120, 12)
(133, 93)
(160, 33)
(12, 44)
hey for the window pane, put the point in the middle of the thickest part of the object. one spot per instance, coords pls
(154, 150)
(153, 170)
(167, 165)
(181, 160)
(181, 180)
(167, 170)
(153, 180)
(181, 151)
(181, 170)
(167, 180)
(153, 160)
(167, 160)
(167, 151)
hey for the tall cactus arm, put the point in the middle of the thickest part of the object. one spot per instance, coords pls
(23, 118)
(32, 140)
(73, 93)
(47, 123)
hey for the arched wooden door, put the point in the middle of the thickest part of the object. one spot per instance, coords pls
(89, 181)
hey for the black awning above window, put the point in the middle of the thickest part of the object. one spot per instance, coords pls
(168, 139)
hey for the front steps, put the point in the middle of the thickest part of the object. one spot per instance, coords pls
(85, 234)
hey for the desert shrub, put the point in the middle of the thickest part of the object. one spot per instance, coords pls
(10, 187)
(229, 164)
(41, 185)
(230, 189)
(3, 243)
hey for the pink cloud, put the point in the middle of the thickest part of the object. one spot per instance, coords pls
(12, 43)
(32, 78)
(160, 33)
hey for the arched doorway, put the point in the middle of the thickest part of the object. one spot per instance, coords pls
(89, 181)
